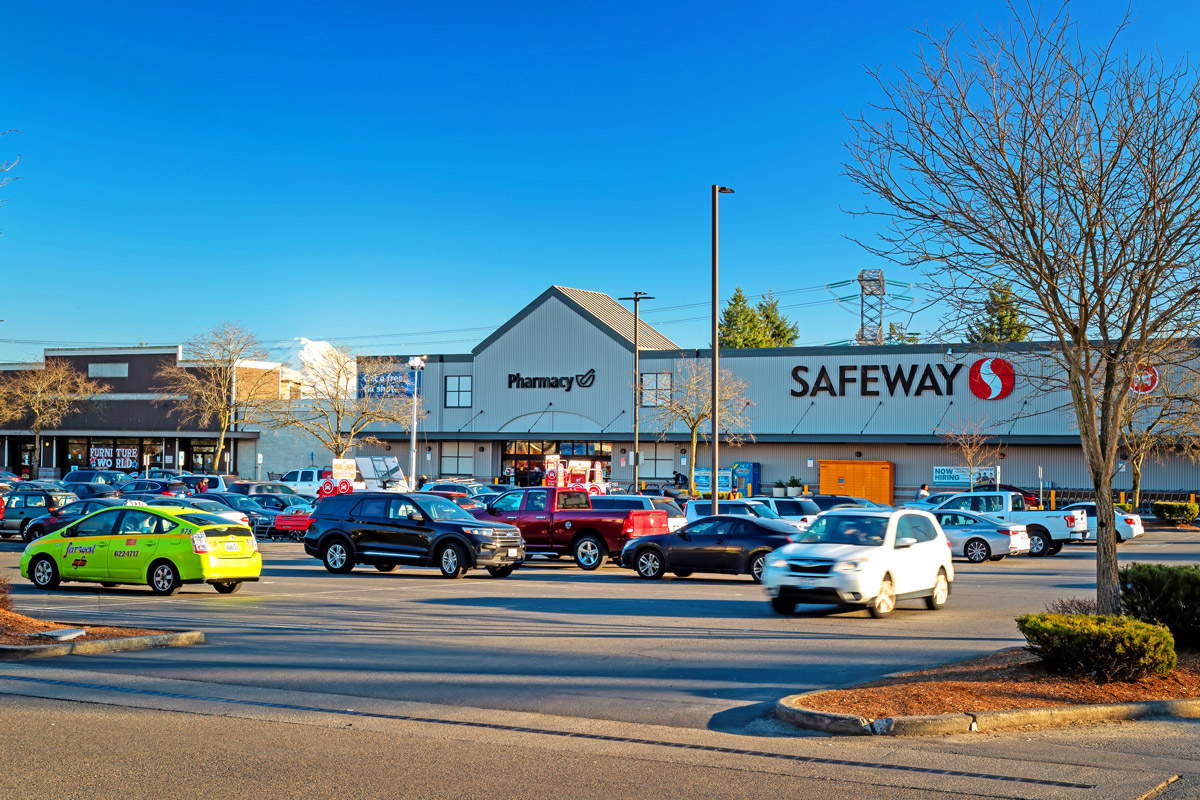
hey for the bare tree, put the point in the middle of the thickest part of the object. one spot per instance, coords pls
(974, 446)
(1162, 416)
(221, 381)
(343, 395)
(689, 403)
(1072, 174)
(6, 167)
(40, 398)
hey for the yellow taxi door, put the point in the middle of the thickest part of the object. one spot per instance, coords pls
(134, 544)
(85, 553)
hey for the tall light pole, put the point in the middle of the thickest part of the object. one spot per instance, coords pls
(416, 363)
(637, 382)
(716, 355)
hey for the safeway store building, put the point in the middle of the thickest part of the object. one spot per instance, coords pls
(557, 380)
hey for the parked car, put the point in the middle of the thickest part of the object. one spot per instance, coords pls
(307, 480)
(462, 499)
(724, 544)
(160, 474)
(85, 491)
(21, 508)
(557, 522)
(9, 477)
(153, 546)
(628, 502)
(62, 517)
(465, 487)
(386, 529)
(215, 483)
(698, 509)
(929, 503)
(109, 476)
(1129, 526)
(165, 488)
(794, 509)
(860, 557)
(1031, 499)
(259, 487)
(828, 501)
(286, 503)
(979, 538)
(262, 520)
(1048, 530)
(199, 504)
(40, 485)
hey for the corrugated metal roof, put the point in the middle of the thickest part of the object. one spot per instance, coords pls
(609, 312)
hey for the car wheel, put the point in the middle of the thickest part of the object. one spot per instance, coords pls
(554, 556)
(43, 573)
(1039, 544)
(107, 584)
(336, 557)
(884, 602)
(589, 552)
(1055, 549)
(501, 572)
(227, 587)
(977, 551)
(24, 526)
(997, 558)
(756, 566)
(1120, 538)
(297, 536)
(164, 579)
(34, 532)
(386, 567)
(649, 565)
(683, 573)
(783, 605)
(941, 592)
(451, 560)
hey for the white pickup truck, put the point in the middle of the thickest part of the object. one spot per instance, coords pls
(1048, 530)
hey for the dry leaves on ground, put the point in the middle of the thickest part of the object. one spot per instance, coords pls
(15, 629)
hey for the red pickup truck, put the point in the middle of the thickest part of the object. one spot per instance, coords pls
(558, 522)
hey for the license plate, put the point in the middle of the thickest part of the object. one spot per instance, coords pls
(231, 547)
(512, 552)
(804, 584)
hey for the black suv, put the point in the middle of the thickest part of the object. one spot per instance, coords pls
(386, 529)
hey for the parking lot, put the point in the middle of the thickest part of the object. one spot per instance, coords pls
(697, 652)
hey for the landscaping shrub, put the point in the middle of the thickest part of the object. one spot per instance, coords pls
(1106, 648)
(1164, 595)
(1073, 605)
(5, 595)
(1175, 513)
(720, 496)
(1126, 507)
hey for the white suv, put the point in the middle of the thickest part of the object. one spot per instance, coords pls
(862, 557)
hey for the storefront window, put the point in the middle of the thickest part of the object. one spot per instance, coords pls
(77, 454)
(100, 453)
(126, 455)
(458, 458)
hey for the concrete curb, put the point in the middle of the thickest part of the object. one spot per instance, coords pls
(14, 652)
(790, 710)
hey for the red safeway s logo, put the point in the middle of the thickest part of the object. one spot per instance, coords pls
(1145, 380)
(991, 379)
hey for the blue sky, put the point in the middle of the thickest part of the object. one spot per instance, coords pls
(351, 170)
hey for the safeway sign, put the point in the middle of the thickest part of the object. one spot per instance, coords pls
(960, 476)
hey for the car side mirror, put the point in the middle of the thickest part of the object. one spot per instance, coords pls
(415, 517)
(905, 541)
(685, 536)
(54, 512)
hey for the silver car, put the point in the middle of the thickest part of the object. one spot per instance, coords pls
(979, 538)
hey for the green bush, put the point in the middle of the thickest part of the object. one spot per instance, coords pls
(720, 496)
(1175, 513)
(1126, 507)
(794, 482)
(1164, 595)
(1105, 648)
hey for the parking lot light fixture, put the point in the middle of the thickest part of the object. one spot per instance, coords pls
(637, 381)
(716, 354)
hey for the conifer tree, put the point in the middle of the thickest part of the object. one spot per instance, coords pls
(741, 325)
(1001, 318)
(781, 331)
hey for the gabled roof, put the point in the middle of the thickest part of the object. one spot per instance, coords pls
(597, 308)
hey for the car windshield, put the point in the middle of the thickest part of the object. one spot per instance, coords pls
(203, 519)
(243, 503)
(211, 506)
(439, 508)
(762, 510)
(858, 530)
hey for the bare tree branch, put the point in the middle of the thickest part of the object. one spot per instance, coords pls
(40, 398)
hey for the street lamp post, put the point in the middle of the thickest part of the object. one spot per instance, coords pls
(416, 363)
(716, 356)
(637, 382)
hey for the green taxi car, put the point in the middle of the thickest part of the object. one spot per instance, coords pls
(163, 548)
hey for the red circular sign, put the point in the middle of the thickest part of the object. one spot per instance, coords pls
(593, 489)
(344, 486)
(327, 488)
(991, 379)
(1145, 380)
(551, 475)
(579, 487)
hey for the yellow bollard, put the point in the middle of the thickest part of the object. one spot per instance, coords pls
(1052, 500)
(1122, 498)
(1192, 497)
(806, 488)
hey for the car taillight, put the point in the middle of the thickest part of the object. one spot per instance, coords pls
(245, 520)
(1070, 519)
(627, 528)
(200, 543)
(1131, 520)
(252, 544)
(1010, 532)
(168, 494)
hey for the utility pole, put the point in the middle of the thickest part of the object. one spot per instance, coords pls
(716, 354)
(637, 384)
(416, 363)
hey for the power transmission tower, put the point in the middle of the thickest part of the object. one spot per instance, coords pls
(870, 321)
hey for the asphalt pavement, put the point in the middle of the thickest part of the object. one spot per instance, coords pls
(698, 658)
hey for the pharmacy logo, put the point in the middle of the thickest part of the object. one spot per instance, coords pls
(991, 379)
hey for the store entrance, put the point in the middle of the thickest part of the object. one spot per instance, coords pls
(524, 462)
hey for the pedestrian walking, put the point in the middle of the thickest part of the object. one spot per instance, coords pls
(922, 493)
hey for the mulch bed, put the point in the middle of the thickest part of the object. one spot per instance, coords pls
(15, 629)
(1007, 680)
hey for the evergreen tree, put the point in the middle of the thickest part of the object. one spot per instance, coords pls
(781, 331)
(1002, 320)
(741, 325)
